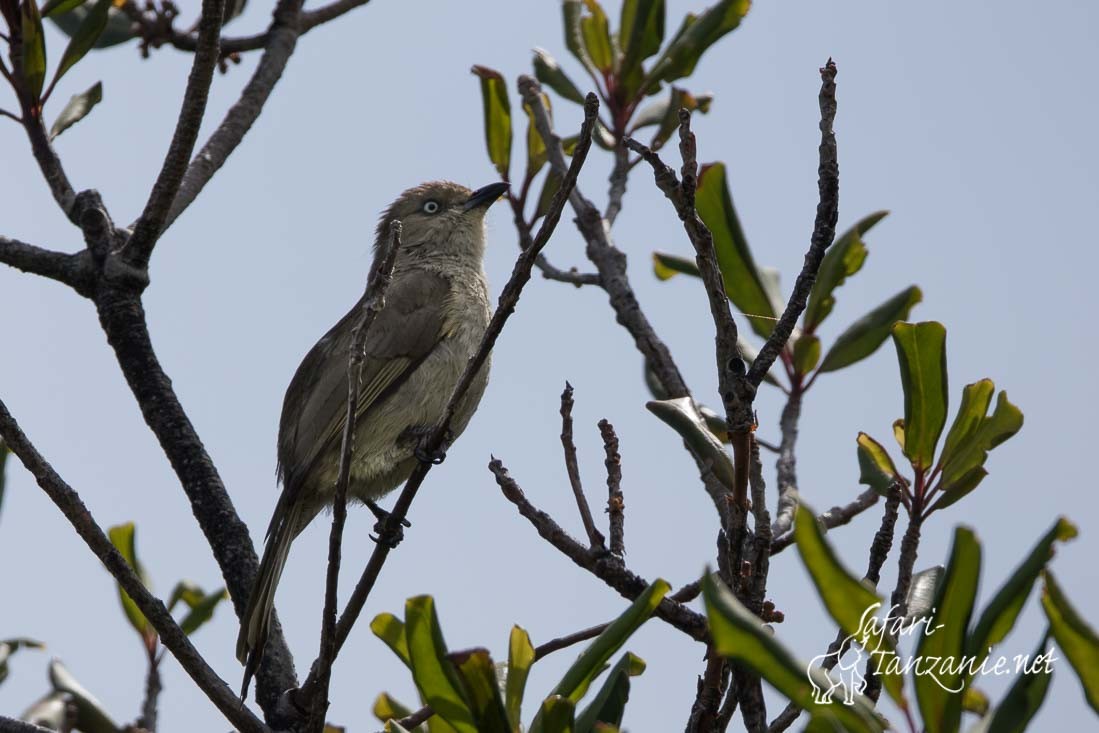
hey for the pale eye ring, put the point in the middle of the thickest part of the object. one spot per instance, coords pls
(431, 207)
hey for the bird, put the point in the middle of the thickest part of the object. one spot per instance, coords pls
(435, 314)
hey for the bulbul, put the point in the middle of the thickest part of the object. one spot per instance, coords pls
(436, 310)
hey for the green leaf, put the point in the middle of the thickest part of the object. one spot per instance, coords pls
(536, 146)
(976, 398)
(998, 618)
(1015, 711)
(920, 600)
(572, 13)
(202, 611)
(119, 28)
(669, 122)
(610, 702)
(843, 259)
(520, 658)
(57, 7)
(548, 71)
(85, 37)
(975, 701)
(921, 352)
(78, 107)
(743, 282)
(478, 675)
(863, 337)
(386, 708)
(851, 602)
(34, 49)
(694, 37)
(591, 661)
(90, 715)
(1075, 636)
(683, 417)
(187, 591)
(10, 646)
(739, 635)
(123, 537)
(556, 716)
(549, 189)
(978, 435)
(497, 112)
(666, 266)
(876, 468)
(939, 692)
(595, 31)
(640, 33)
(806, 353)
(391, 630)
(435, 676)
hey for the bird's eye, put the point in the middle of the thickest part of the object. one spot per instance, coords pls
(431, 207)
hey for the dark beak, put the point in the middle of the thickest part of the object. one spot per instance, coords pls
(486, 196)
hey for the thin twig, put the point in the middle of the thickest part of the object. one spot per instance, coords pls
(377, 284)
(595, 537)
(435, 440)
(617, 189)
(70, 504)
(71, 269)
(571, 276)
(837, 516)
(786, 466)
(616, 505)
(151, 222)
(824, 229)
(712, 686)
(148, 719)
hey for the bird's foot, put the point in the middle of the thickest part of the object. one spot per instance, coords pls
(390, 532)
(423, 452)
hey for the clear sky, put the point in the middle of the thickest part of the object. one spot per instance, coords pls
(974, 123)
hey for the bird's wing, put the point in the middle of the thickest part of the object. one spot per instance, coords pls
(405, 331)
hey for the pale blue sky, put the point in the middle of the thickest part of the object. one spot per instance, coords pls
(973, 123)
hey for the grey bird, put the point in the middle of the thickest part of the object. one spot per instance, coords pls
(436, 311)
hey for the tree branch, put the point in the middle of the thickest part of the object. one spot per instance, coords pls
(786, 466)
(148, 719)
(11, 725)
(595, 537)
(824, 229)
(616, 505)
(149, 226)
(70, 504)
(71, 269)
(837, 516)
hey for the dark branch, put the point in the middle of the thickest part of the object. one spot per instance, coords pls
(149, 226)
(786, 467)
(50, 164)
(148, 719)
(595, 537)
(373, 301)
(71, 269)
(11, 725)
(570, 276)
(616, 505)
(824, 229)
(70, 504)
(837, 516)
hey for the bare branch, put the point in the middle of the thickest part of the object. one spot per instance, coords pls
(377, 284)
(616, 505)
(837, 516)
(824, 230)
(148, 719)
(570, 276)
(50, 164)
(617, 190)
(434, 441)
(70, 504)
(71, 269)
(11, 725)
(604, 566)
(786, 467)
(595, 537)
(149, 226)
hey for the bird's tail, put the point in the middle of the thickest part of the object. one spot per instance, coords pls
(256, 621)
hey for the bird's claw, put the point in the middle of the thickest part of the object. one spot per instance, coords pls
(390, 533)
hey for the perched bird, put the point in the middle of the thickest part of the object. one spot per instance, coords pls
(436, 310)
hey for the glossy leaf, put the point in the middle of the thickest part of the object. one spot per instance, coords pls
(739, 635)
(391, 630)
(536, 146)
(683, 417)
(1026, 695)
(51, 711)
(998, 618)
(610, 702)
(123, 537)
(90, 714)
(434, 674)
(93, 25)
(591, 661)
(640, 34)
(876, 468)
(979, 435)
(595, 31)
(548, 71)
(497, 114)
(843, 259)
(939, 695)
(10, 646)
(694, 37)
(921, 593)
(119, 28)
(482, 690)
(202, 611)
(1076, 638)
(851, 602)
(976, 398)
(921, 352)
(34, 49)
(555, 716)
(863, 337)
(573, 12)
(386, 708)
(806, 353)
(77, 108)
(520, 657)
(57, 7)
(743, 282)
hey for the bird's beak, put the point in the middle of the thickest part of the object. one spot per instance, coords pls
(485, 196)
